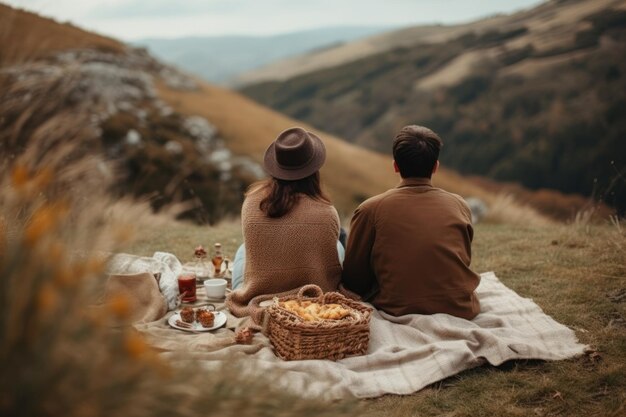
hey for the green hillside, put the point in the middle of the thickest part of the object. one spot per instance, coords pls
(540, 100)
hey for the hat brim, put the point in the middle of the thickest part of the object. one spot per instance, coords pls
(273, 168)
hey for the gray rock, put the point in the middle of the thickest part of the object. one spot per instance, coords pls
(202, 131)
(174, 147)
(220, 155)
(478, 207)
(133, 138)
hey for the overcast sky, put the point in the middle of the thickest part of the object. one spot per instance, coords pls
(136, 19)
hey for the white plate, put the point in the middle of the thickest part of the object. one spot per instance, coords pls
(220, 320)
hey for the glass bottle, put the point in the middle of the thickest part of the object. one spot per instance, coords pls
(217, 259)
(201, 266)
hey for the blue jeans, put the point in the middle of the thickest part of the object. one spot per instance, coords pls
(240, 261)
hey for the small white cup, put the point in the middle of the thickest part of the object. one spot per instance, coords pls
(215, 288)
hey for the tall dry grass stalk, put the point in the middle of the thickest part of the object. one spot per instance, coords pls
(505, 209)
(618, 240)
(59, 356)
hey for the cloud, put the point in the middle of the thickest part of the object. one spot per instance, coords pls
(133, 19)
(129, 9)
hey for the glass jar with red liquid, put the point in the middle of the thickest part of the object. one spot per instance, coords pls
(187, 287)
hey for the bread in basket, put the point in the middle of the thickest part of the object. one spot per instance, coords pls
(319, 326)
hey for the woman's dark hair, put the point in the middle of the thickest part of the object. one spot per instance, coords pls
(282, 195)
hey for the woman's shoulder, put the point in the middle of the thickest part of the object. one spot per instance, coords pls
(256, 192)
(322, 207)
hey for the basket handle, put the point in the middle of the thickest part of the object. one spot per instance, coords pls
(311, 288)
(328, 295)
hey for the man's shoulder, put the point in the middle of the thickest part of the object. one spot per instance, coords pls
(373, 202)
(387, 198)
(457, 200)
(450, 196)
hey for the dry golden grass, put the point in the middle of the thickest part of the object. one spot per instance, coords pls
(351, 174)
(575, 272)
(180, 238)
(27, 36)
(551, 203)
(546, 23)
(58, 356)
(505, 209)
(576, 275)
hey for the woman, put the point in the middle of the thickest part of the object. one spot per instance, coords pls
(290, 229)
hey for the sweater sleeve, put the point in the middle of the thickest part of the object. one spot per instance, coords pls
(358, 275)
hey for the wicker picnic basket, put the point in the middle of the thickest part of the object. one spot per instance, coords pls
(294, 339)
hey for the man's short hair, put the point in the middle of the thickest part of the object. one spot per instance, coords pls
(416, 151)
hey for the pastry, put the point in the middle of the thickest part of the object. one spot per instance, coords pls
(311, 311)
(199, 311)
(244, 336)
(187, 315)
(205, 318)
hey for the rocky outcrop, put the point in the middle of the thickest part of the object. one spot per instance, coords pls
(159, 152)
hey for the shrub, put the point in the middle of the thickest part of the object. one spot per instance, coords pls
(59, 356)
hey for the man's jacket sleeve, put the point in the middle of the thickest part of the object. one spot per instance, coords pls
(358, 275)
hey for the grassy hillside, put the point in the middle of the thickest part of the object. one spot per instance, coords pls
(27, 36)
(351, 173)
(536, 99)
(559, 12)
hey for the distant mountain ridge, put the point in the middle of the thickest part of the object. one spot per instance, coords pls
(222, 58)
(536, 97)
(158, 124)
(162, 125)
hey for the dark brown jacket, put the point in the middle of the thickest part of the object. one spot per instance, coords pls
(409, 251)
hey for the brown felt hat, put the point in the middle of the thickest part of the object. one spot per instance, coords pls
(295, 154)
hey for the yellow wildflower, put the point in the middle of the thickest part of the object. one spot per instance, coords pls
(43, 178)
(56, 252)
(3, 231)
(135, 346)
(20, 176)
(85, 409)
(64, 275)
(96, 318)
(47, 298)
(42, 222)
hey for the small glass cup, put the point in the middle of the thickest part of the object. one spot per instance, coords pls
(187, 287)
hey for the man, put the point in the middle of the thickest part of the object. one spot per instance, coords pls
(409, 249)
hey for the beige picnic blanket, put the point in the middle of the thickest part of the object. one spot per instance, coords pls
(405, 353)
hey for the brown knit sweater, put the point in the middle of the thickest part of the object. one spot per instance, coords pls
(283, 254)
